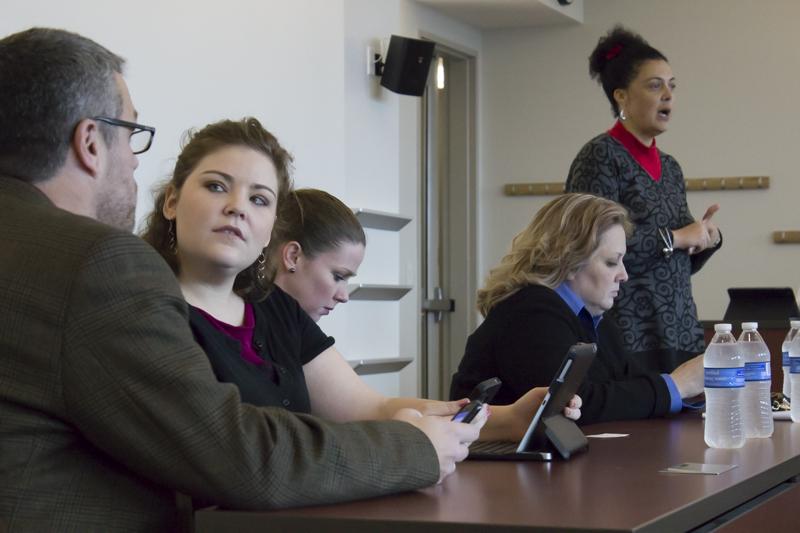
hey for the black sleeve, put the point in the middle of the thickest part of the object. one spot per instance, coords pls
(506, 346)
(536, 342)
(313, 340)
(522, 341)
(686, 218)
(524, 344)
(616, 387)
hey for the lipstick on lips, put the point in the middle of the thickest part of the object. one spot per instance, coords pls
(230, 229)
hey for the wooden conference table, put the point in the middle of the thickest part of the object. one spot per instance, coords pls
(616, 486)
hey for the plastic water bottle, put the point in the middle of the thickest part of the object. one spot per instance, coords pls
(794, 326)
(724, 383)
(756, 401)
(794, 376)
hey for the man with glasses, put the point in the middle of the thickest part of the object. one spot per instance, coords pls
(107, 405)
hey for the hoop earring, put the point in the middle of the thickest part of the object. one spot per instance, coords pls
(262, 262)
(173, 241)
(622, 116)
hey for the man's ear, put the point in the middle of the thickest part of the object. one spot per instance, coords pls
(290, 254)
(88, 146)
(170, 203)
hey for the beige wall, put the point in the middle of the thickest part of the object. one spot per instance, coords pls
(737, 63)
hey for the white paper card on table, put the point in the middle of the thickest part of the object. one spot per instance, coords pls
(698, 468)
(607, 435)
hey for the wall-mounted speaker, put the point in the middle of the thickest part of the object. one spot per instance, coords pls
(406, 65)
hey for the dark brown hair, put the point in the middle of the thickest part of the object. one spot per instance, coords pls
(317, 220)
(616, 60)
(248, 133)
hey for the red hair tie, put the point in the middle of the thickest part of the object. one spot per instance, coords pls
(614, 52)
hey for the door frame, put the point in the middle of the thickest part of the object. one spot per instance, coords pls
(465, 307)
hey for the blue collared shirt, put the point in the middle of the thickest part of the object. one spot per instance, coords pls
(576, 304)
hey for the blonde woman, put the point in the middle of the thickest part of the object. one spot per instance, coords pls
(549, 292)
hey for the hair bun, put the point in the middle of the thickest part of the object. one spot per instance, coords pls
(616, 42)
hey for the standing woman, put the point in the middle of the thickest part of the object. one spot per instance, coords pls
(655, 309)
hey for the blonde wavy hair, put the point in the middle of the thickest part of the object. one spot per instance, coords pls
(559, 241)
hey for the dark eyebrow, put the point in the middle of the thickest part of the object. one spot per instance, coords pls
(229, 179)
(347, 272)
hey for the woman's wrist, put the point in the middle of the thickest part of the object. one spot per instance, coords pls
(667, 242)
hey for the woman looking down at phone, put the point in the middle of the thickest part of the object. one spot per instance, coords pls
(317, 246)
(550, 292)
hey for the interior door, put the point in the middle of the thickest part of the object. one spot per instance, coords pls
(448, 218)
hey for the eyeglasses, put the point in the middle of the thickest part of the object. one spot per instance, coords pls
(141, 136)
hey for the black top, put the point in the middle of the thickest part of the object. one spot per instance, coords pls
(284, 335)
(523, 341)
(655, 308)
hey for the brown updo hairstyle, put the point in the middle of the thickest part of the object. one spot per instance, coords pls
(315, 219)
(198, 144)
(616, 60)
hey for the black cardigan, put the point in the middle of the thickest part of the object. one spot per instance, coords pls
(285, 336)
(523, 341)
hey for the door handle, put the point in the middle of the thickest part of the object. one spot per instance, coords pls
(438, 304)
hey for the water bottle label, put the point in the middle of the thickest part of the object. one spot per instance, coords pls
(757, 372)
(726, 378)
(794, 365)
(785, 359)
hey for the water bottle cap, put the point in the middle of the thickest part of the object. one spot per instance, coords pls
(794, 324)
(749, 325)
(722, 327)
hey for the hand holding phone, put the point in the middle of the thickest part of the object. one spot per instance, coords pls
(481, 394)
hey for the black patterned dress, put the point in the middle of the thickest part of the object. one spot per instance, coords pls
(655, 309)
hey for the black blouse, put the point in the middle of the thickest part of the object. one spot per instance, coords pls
(284, 335)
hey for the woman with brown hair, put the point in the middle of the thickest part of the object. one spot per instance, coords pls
(317, 246)
(212, 223)
(549, 292)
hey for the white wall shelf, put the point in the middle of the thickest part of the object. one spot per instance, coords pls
(385, 365)
(380, 220)
(367, 291)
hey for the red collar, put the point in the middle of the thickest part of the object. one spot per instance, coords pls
(647, 156)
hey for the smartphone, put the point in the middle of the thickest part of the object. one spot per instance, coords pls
(481, 394)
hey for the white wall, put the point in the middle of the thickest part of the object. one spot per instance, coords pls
(191, 63)
(736, 64)
(300, 67)
(382, 172)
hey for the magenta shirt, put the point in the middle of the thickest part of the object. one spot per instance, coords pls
(243, 333)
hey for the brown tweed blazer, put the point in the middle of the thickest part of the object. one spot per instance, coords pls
(107, 405)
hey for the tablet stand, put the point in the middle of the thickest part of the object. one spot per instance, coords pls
(564, 435)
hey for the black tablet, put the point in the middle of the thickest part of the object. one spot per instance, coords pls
(549, 429)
